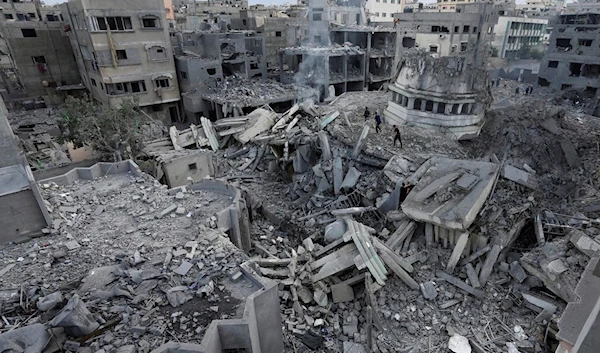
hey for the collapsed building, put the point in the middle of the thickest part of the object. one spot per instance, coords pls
(440, 82)
(572, 60)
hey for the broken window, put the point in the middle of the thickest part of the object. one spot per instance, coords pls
(408, 42)
(565, 86)
(591, 90)
(52, 18)
(150, 22)
(575, 69)
(211, 71)
(121, 55)
(28, 32)
(138, 86)
(591, 71)
(183, 75)
(466, 29)
(162, 83)
(463, 46)
(563, 44)
(455, 29)
(553, 63)
(192, 166)
(277, 33)
(9, 16)
(113, 23)
(31, 14)
(433, 48)
(584, 42)
(39, 59)
(543, 82)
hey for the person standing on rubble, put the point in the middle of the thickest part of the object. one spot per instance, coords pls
(367, 114)
(397, 136)
(377, 122)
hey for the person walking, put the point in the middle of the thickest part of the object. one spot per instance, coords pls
(397, 136)
(377, 122)
(517, 91)
(367, 113)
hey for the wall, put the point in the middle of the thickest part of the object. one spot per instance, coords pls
(195, 166)
(52, 43)
(21, 216)
(377, 9)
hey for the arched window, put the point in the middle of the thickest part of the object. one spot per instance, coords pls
(156, 52)
(417, 104)
(429, 106)
(441, 108)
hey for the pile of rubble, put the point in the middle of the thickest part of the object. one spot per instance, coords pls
(431, 246)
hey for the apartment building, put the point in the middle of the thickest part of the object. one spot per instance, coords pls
(446, 34)
(583, 6)
(505, 7)
(384, 10)
(512, 34)
(36, 51)
(123, 51)
(573, 56)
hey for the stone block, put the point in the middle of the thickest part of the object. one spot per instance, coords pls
(341, 293)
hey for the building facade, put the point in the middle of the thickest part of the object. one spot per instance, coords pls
(573, 56)
(512, 34)
(384, 10)
(123, 52)
(37, 56)
(583, 6)
(504, 7)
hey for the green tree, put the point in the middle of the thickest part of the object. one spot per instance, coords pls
(114, 133)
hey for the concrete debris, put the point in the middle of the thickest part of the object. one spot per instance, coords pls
(76, 319)
(459, 344)
(32, 338)
(50, 301)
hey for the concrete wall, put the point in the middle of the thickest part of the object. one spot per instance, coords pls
(21, 217)
(195, 72)
(195, 166)
(53, 44)
(377, 9)
(573, 56)
(90, 42)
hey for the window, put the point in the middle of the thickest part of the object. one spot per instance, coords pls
(466, 29)
(193, 166)
(383, 14)
(183, 75)
(93, 82)
(162, 83)
(51, 18)
(113, 23)
(9, 16)
(114, 89)
(376, 14)
(121, 55)
(150, 22)
(38, 59)
(474, 29)
(455, 29)
(212, 71)
(392, 1)
(278, 34)
(28, 32)
(316, 16)
(433, 49)
(463, 46)
(585, 42)
(157, 108)
(31, 14)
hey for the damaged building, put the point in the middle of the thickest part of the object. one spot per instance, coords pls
(439, 78)
(123, 52)
(572, 60)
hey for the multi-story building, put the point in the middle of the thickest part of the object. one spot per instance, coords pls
(384, 10)
(540, 8)
(512, 34)
(583, 6)
(446, 34)
(504, 7)
(37, 57)
(573, 56)
(123, 51)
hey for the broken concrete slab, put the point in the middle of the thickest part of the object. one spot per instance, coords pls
(49, 301)
(459, 344)
(338, 174)
(541, 303)
(183, 268)
(168, 210)
(472, 275)
(460, 284)
(584, 243)
(457, 252)
(457, 211)
(488, 265)
(392, 202)
(360, 142)
(570, 152)
(519, 176)
(32, 338)
(428, 290)
(517, 272)
(352, 347)
(351, 179)
(75, 318)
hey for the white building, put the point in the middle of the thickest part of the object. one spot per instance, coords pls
(514, 33)
(583, 6)
(384, 10)
(506, 7)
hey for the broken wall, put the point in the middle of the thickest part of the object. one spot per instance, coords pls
(195, 166)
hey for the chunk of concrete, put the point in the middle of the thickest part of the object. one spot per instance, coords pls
(519, 176)
(320, 298)
(459, 344)
(351, 179)
(341, 293)
(489, 263)
(584, 243)
(429, 291)
(183, 268)
(352, 347)
(517, 272)
(457, 252)
(50, 301)
(335, 231)
(338, 174)
(168, 210)
(392, 202)
(28, 339)
(76, 319)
